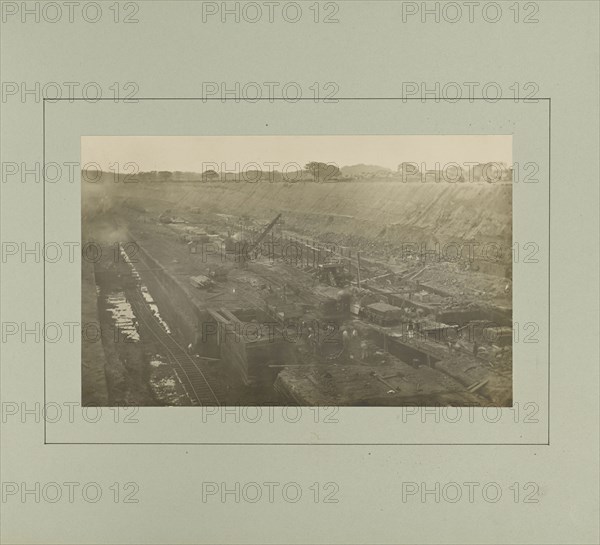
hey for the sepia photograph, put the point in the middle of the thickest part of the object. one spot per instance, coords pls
(308, 270)
(300, 272)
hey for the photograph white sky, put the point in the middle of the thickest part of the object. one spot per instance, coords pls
(195, 153)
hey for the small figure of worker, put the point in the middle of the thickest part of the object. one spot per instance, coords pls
(364, 350)
(345, 338)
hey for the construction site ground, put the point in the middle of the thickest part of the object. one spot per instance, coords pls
(361, 371)
(348, 379)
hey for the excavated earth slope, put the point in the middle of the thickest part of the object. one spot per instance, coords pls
(374, 209)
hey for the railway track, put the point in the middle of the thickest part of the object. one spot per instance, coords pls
(197, 386)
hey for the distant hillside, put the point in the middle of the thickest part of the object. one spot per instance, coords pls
(488, 172)
(377, 209)
(362, 169)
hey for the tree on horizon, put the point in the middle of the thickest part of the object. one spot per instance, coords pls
(322, 172)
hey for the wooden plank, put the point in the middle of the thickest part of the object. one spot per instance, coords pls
(227, 313)
(217, 316)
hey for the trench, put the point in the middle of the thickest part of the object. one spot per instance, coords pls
(463, 317)
(196, 329)
(407, 354)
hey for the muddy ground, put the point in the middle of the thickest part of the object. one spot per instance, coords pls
(377, 218)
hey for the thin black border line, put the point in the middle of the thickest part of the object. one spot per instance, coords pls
(238, 100)
(44, 245)
(138, 443)
(292, 101)
(549, 264)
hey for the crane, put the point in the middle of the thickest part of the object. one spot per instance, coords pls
(252, 246)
